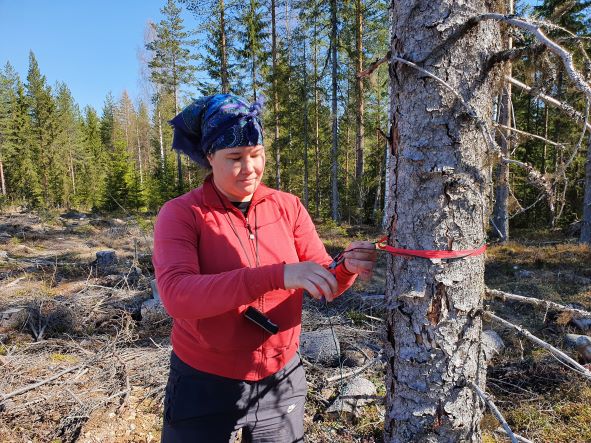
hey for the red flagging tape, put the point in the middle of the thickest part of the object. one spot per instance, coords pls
(381, 244)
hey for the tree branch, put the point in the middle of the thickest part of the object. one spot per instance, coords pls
(566, 108)
(504, 296)
(494, 410)
(534, 29)
(529, 134)
(375, 65)
(570, 363)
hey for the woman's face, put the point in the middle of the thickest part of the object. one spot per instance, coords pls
(238, 171)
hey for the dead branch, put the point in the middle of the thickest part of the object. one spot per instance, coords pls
(375, 65)
(518, 437)
(528, 134)
(546, 304)
(535, 29)
(494, 410)
(39, 383)
(359, 370)
(566, 108)
(570, 363)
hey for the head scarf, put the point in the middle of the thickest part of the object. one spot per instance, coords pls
(216, 122)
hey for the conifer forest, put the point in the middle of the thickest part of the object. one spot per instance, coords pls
(441, 127)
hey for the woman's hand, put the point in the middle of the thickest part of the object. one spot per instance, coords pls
(360, 258)
(312, 277)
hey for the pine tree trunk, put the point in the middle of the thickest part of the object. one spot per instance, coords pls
(501, 207)
(2, 181)
(139, 154)
(586, 223)
(275, 97)
(161, 142)
(334, 197)
(224, 50)
(439, 189)
(305, 90)
(317, 126)
(360, 103)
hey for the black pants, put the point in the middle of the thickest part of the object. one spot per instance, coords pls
(202, 407)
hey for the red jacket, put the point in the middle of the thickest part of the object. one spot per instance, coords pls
(206, 283)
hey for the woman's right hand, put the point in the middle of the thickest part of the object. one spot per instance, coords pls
(312, 277)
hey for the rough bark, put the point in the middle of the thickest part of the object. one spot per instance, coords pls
(586, 222)
(439, 191)
(334, 198)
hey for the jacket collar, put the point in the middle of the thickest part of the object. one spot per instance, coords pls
(212, 196)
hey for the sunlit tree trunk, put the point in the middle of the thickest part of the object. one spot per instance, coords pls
(439, 191)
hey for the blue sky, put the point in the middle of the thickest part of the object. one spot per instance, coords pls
(92, 46)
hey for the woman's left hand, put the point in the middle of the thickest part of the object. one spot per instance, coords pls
(360, 258)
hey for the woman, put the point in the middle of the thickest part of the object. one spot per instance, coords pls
(232, 259)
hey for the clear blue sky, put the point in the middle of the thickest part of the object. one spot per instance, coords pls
(92, 45)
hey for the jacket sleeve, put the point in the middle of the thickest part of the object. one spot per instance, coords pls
(185, 292)
(310, 248)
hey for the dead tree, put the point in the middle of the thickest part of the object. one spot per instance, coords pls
(439, 186)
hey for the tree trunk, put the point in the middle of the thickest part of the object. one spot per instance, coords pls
(224, 50)
(275, 96)
(161, 142)
(334, 158)
(501, 207)
(317, 126)
(2, 181)
(305, 88)
(139, 154)
(439, 190)
(360, 104)
(586, 223)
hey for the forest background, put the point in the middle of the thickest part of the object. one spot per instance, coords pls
(326, 128)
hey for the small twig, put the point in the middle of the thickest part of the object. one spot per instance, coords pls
(572, 364)
(528, 134)
(494, 410)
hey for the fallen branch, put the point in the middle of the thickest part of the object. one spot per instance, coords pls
(504, 296)
(494, 410)
(39, 383)
(518, 437)
(570, 363)
(354, 372)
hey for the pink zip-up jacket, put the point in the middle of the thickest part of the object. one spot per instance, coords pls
(207, 279)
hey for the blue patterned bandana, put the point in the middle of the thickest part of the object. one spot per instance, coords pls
(216, 122)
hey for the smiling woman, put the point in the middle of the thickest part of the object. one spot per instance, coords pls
(232, 259)
(238, 171)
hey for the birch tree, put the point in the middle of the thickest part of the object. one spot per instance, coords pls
(439, 185)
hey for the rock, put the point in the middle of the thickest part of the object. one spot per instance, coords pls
(321, 346)
(13, 318)
(134, 275)
(352, 358)
(73, 215)
(355, 394)
(153, 312)
(584, 324)
(523, 273)
(582, 344)
(106, 261)
(492, 344)
(155, 293)
(4, 255)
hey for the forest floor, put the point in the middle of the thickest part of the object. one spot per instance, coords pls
(79, 329)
